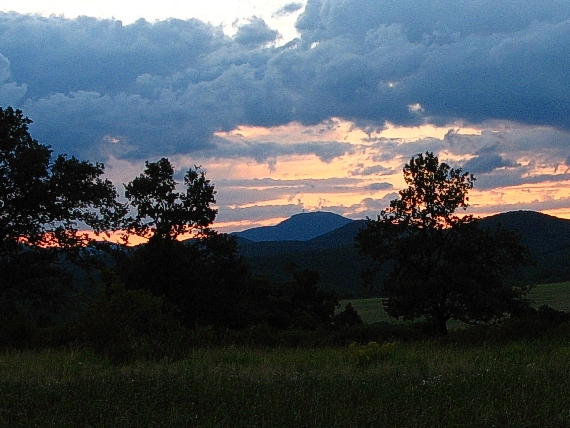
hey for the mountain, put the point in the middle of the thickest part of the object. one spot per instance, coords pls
(333, 254)
(300, 227)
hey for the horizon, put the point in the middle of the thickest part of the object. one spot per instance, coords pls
(136, 240)
(359, 219)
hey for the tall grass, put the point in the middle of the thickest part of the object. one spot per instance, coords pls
(427, 384)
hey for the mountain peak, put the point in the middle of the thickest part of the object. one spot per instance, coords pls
(299, 227)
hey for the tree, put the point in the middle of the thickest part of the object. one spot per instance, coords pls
(162, 215)
(162, 212)
(46, 203)
(45, 208)
(441, 266)
(204, 277)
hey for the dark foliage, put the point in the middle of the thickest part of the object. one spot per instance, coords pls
(162, 212)
(204, 279)
(210, 285)
(300, 303)
(124, 325)
(43, 206)
(348, 317)
(443, 266)
(32, 284)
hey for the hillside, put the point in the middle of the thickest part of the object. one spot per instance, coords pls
(542, 233)
(333, 254)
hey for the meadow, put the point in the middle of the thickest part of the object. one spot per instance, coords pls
(556, 295)
(430, 383)
(375, 385)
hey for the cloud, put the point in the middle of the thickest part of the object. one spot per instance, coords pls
(535, 205)
(380, 186)
(487, 162)
(288, 9)
(10, 91)
(263, 151)
(371, 170)
(255, 33)
(371, 208)
(459, 60)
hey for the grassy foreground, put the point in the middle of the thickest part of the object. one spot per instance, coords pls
(377, 385)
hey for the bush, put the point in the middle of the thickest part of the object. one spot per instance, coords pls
(125, 325)
(16, 329)
(348, 317)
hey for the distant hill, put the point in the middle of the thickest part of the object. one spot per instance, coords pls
(548, 239)
(333, 254)
(300, 227)
(543, 234)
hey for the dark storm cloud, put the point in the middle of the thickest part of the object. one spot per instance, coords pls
(466, 60)
(100, 87)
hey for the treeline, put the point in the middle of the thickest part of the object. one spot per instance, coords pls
(147, 299)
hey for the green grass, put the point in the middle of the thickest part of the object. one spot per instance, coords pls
(391, 385)
(555, 295)
(439, 383)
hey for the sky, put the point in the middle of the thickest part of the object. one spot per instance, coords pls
(298, 106)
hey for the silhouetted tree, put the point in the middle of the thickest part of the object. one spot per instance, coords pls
(204, 277)
(442, 266)
(162, 212)
(44, 205)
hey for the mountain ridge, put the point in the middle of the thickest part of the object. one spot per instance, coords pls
(299, 227)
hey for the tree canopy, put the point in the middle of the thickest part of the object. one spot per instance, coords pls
(164, 213)
(441, 266)
(45, 202)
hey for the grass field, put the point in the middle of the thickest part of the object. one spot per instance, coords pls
(555, 295)
(430, 383)
(391, 385)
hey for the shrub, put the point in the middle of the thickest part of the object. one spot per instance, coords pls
(348, 317)
(125, 325)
